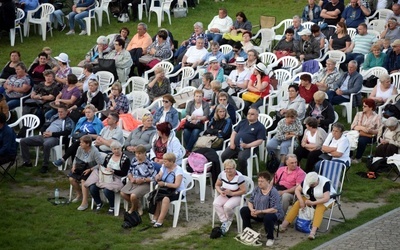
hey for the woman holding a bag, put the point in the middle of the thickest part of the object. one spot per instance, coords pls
(264, 206)
(314, 191)
(258, 87)
(108, 177)
(367, 124)
(286, 47)
(170, 177)
(197, 112)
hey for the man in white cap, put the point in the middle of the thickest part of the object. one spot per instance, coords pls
(96, 52)
(308, 46)
(238, 78)
(392, 63)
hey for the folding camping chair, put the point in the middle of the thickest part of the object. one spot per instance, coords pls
(6, 169)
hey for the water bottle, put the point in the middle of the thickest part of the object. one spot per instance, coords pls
(240, 142)
(56, 196)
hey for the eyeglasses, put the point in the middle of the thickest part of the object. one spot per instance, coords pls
(165, 101)
(251, 113)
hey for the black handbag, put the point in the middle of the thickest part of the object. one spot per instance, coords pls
(371, 81)
(190, 125)
(80, 166)
(131, 220)
(325, 156)
(76, 136)
(273, 162)
(106, 65)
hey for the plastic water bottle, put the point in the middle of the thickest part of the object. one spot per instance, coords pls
(240, 142)
(56, 196)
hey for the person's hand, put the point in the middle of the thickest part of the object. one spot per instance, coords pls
(133, 180)
(282, 111)
(243, 145)
(153, 51)
(140, 181)
(47, 134)
(57, 102)
(232, 146)
(157, 178)
(111, 96)
(339, 92)
(384, 141)
(109, 169)
(309, 203)
(87, 171)
(258, 77)
(301, 203)
(301, 57)
(253, 212)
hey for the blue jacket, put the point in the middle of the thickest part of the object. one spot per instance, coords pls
(316, 11)
(392, 61)
(97, 124)
(8, 146)
(171, 116)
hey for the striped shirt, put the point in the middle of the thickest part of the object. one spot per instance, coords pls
(362, 44)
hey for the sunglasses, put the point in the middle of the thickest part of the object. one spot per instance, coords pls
(165, 101)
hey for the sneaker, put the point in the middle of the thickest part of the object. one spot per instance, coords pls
(355, 161)
(281, 229)
(63, 27)
(98, 207)
(59, 162)
(110, 211)
(82, 208)
(157, 225)
(153, 222)
(227, 225)
(71, 32)
(223, 228)
(27, 164)
(269, 243)
(44, 169)
(83, 32)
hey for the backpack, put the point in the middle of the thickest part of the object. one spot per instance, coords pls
(197, 161)
(216, 233)
(272, 163)
(131, 220)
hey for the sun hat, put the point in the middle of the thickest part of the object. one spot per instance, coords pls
(62, 57)
(240, 60)
(212, 59)
(262, 68)
(304, 32)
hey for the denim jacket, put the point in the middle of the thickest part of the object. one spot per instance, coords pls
(171, 116)
(317, 12)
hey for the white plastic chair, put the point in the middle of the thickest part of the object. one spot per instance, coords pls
(249, 191)
(225, 48)
(267, 121)
(106, 79)
(155, 105)
(381, 14)
(336, 55)
(187, 74)
(55, 153)
(375, 71)
(269, 137)
(376, 33)
(267, 37)
(395, 79)
(282, 76)
(17, 25)
(377, 25)
(103, 7)
(286, 24)
(19, 108)
(31, 122)
(239, 104)
(201, 178)
(352, 32)
(278, 95)
(289, 63)
(164, 6)
(296, 78)
(117, 202)
(89, 18)
(138, 113)
(334, 121)
(76, 71)
(167, 66)
(307, 25)
(142, 5)
(139, 99)
(175, 206)
(268, 58)
(134, 83)
(44, 20)
(347, 108)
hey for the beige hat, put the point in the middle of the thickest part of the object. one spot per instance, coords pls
(391, 121)
(304, 32)
(395, 43)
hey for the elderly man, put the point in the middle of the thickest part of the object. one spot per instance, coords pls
(396, 12)
(392, 63)
(297, 27)
(287, 178)
(360, 46)
(138, 44)
(248, 133)
(308, 47)
(109, 133)
(220, 24)
(391, 31)
(350, 83)
(59, 125)
(214, 52)
(97, 51)
(85, 77)
(331, 12)
(355, 13)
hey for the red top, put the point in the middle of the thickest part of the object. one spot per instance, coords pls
(308, 94)
(253, 79)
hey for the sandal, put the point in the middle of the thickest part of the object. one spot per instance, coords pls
(153, 222)
(157, 225)
(311, 236)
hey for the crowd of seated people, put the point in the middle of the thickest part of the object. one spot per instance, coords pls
(312, 100)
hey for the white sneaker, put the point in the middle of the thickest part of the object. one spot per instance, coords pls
(227, 225)
(269, 243)
(83, 32)
(71, 32)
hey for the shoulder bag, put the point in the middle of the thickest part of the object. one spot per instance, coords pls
(105, 176)
(249, 237)
(250, 97)
(205, 141)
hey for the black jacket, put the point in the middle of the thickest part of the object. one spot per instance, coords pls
(328, 115)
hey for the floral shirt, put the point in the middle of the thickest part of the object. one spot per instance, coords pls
(14, 81)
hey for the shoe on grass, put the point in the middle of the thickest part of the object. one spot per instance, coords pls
(27, 164)
(98, 207)
(157, 225)
(71, 32)
(111, 211)
(44, 169)
(78, 198)
(82, 208)
(83, 32)
(311, 236)
(59, 162)
(269, 243)
(355, 161)
(63, 27)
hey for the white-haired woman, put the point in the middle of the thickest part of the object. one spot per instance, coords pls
(383, 90)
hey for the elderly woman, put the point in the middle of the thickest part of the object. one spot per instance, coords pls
(287, 128)
(246, 41)
(170, 176)
(367, 123)
(286, 47)
(92, 96)
(197, 112)
(108, 177)
(388, 138)
(142, 135)
(140, 174)
(314, 191)
(118, 102)
(205, 85)
(88, 125)
(123, 59)
(63, 69)
(36, 70)
(264, 206)
(198, 32)
(165, 141)
(259, 85)
(215, 69)
(87, 159)
(160, 49)
(68, 96)
(336, 147)
(376, 58)
(167, 113)
(158, 85)
(322, 110)
(16, 86)
(230, 186)
(383, 90)
(42, 94)
(239, 78)
(310, 146)
(9, 68)
(292, 101)
(340, 40)
(325, 78)
(252, 60)
(220, 124)
(78, 15)
(237, 30)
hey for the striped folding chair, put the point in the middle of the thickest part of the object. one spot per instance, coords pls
(334, 171)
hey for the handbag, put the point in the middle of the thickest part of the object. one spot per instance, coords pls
(371, 81)
(146, 59)
(304, 219)
(80, 166)
(78, 135)
(131, 220)
(190, 125)
(249, 237)
(105, 176)
(153, 63)
(325, 157)
(106, 65)
(205, 141)
(80, 9)
(250, 97)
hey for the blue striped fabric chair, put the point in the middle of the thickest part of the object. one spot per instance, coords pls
(334, 171)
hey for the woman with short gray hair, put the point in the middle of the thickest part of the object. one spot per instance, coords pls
(383, 90)
(198, 32)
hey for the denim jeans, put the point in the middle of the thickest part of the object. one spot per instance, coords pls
(190, 137)
(95, 192)
(58, 15)
(73, 16)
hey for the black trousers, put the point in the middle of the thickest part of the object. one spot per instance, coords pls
(312, 157)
